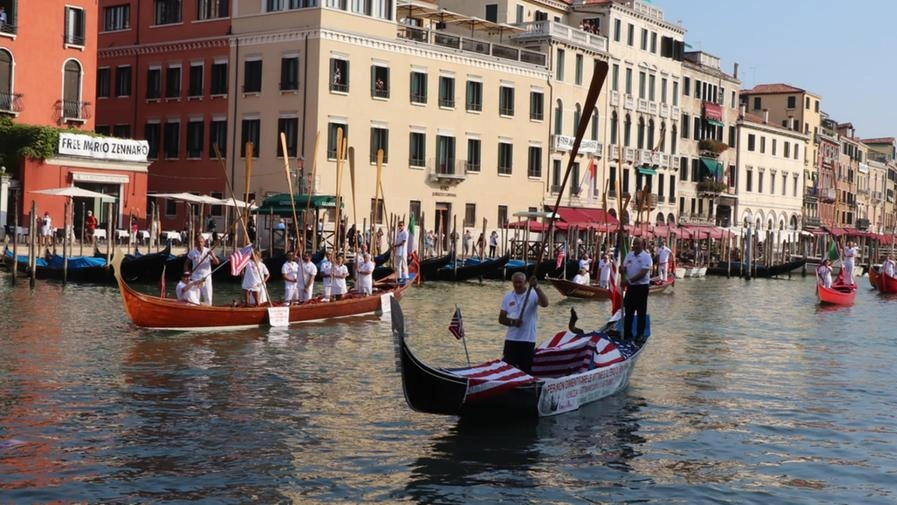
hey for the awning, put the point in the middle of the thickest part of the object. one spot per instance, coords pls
(713, 166)
(714, 122)
(74, 192)
(647, 171)
(280, 204)
(586, 217)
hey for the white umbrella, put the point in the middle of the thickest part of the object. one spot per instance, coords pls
(75, 192)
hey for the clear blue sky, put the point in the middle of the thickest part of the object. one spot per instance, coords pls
(841, 51)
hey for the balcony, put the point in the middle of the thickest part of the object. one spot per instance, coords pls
(644, 157)
(629, 102)
(642, 105)
(674, 163)
(72, 111)
(613, 152)
(812, 221)
(712, 187)
(650, 202)
(629, 154)
(664, 110)
(446, 171)
(664, 160)
(675, 113)
(471, 45)
(10, 103)
(826, 195)
(544, 29)
(876, 197)
(862, 224)
(615, 98)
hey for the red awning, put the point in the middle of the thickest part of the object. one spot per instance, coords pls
(573, 217)
(584, 217)
(534, 226)
(713, 111)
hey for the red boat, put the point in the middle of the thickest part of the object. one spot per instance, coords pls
(883, 282)
(838, 294)
(149, 311)
(590, 291)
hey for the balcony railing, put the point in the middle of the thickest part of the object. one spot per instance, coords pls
(451, 41)
(70, 111)
(561, 31)
(8, 28)
(664, 110)
(615, 98)
(629, 154)
(642, 105)
(629, 102)
(650, 201)
(10, 102)
(446, 171)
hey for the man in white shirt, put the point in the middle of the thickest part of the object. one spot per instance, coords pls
(400, 258)
(326, 269)
(255, 276)
(604, 268)
(309, 271)
(663, 261)
(339, 272)
(519, 313)
(365, 271)
(187, 290)
(637, 267)
(202, 258)
(582, 277)
(291, 275)
(850, 253)
(888, 267)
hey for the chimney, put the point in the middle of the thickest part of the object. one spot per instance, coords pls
(735, 71)
(765, 116)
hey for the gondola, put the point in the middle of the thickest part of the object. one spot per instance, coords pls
(454, 392)
(546, 268)
(80, 269)
(428, 266)
(153, 312)
(838, 294)
(144, 267)
(573, 290)
(882, 282)
(471, 269)
(734, 268)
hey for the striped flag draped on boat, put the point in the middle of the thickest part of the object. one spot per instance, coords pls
(491, 378)
(568, 353)
(239, 259)
(456, 327)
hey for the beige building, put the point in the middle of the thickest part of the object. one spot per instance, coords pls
(770, 178)
(459, 110)
(881, 157)
(707, 159)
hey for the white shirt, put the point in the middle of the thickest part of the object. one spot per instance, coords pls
(325, 269)
(888, 268)
(604, 270)
(401, 243)
(635, 263)
(663, 255)
(202, 263)
(186, 293)
(290, 272)
(254, 276)
(309, 271)
(584, 264)
(512, 304)
(849, 254)
(340, 272)
(581, 279)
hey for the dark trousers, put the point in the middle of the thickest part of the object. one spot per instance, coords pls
(519, 354)
(636, 300)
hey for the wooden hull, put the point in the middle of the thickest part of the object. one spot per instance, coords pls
(435, 391)
(882, 282)
(574, 290)
(149, 311)
(724, 268)
(838, 294)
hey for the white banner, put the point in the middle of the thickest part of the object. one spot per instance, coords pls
(564, 143)
(569, 393)
(103, 148)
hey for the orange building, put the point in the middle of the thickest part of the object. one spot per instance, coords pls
(48, 78)
(162, 75)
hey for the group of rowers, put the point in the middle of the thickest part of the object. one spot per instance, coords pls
(195, 285)
(605, 266)
(848, 255)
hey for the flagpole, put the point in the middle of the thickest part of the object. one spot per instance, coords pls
(463, 334)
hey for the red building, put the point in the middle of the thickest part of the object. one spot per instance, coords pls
(162, 75)
(48, 52)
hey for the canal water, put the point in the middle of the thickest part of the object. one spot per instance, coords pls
(748, 393)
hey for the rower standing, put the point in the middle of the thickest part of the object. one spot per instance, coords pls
(202, 258)
(519, 313)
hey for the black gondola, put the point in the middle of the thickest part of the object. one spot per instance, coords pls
(470, 270)
(734, 269)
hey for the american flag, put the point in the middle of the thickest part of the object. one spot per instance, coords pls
(491, 378)
(456, 327)
(564, 354)
(562, 253)
(239, 259)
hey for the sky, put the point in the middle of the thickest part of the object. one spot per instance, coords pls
(841, 51)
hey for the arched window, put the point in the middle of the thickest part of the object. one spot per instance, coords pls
(558, 118)
(627, 131)
(595, 123)
(671, 219)
(71, 90)
(5, 80)
(660, 218)
(577, 113)
(641, 133)
(673, 141)
(613, 128)
(651, 134)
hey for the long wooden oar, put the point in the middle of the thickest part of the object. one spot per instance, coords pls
(286, 169)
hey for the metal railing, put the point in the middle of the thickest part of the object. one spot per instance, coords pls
(471, 45)
(10, 102)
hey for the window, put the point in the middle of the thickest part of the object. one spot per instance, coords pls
(577, 71)
(558, 118)
(536, 105)
(757, 103)
(752, 142)
(151, 131)
(417, 149)
(628, 81)
(74, 26)
(289, 73)
(173, 82)
(117, 17)
(218, 85)
(749, 180)
(772, 184)
(474, 96)
(378, 210)
(473, 155)
(195, 136)
(654, 42)
(492, 13)
(595, 122)
(172, 136)
(505, 158)
(195, 84)
(123, 81)
(446, 91)
(685, 126)
(675, 93)
(379, 81)
(211, 9)
(289, 126)
(672, 188)
(686, 86)
(763, 144)
(217, 137)
(760, 181)
(534, 163)
(796, 150)
(168, 12)
(652, 83)
(559, 65)
(470, 214)
(171, 207)
(418, 87)
(644, 40)
(154, 83)
(642, 85)
(339, 71)
(506, 101)
(615, 77)
(252, 76)
(332, 133)
(502, 215)
(414, 210)
(556, 176)
(379, 140)
(792, 102)
(102, 129)
(731, 136)
(784, 183)
(630, 34)
(122, 131)
(617, 30)
(774, 147)
(104, 76)
(251, 132)
(613, 128)
(445, 154)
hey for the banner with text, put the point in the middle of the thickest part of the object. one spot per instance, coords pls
(103, 148)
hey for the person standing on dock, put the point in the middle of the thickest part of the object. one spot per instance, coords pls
(850, 253)
(637, 266)
(519, 312)
(201, 259)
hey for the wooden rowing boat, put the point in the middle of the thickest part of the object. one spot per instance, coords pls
(442, 391)
(884, 283)
(149, 311)
(838, 294)
(593, 292)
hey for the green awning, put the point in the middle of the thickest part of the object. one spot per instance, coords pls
(713, 166)
(714, 122)
(647, 171)
(279, 204)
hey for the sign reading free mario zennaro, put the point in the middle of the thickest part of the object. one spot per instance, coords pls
(103, 148)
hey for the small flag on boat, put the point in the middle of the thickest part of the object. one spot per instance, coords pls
(562, 253)
(456, 327)
(239, 259)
